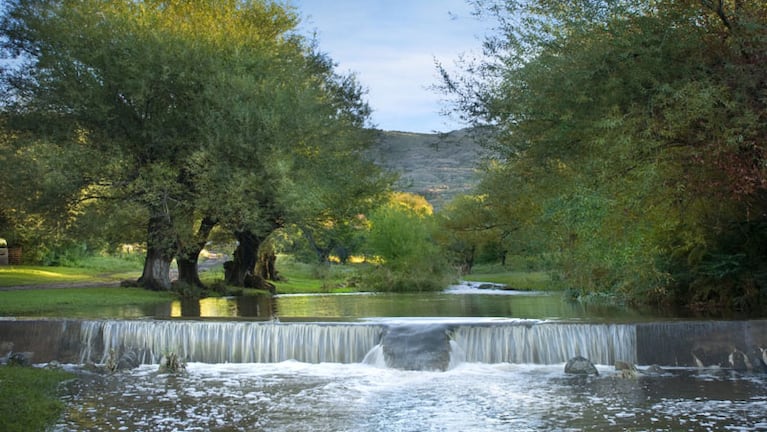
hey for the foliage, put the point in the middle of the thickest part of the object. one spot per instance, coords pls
(629, 140)
(29, 398)
(401, 235)
(300, 277)
(199, 113)
(466, 228)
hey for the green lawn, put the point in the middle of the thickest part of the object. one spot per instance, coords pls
(29, 398)
(299, 278)
(521, 280)
(95, 269)
(31, 275)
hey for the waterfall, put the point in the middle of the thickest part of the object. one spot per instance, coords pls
(727, 344)
(229, 342)
(547, 343)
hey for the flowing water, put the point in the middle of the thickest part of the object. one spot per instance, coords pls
(297, 396)
(457, 361)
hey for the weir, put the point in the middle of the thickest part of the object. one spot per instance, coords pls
(432, 345)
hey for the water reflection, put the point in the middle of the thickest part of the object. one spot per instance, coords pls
(368, 305)
(253, 307)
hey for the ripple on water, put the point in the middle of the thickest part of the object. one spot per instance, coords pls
(292, 396)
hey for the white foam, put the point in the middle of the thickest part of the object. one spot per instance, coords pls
(473, 288)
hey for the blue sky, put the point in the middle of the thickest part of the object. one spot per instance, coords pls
(391, 46)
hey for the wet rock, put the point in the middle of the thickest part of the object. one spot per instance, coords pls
(626, 369)
(172, 363)
(654, 370)
(417, 347)
(54, 365)
(580, 366)
(739, 361)
(128, 360)
(761, 358)
(492, 286)
(624, 365)
(20, 359)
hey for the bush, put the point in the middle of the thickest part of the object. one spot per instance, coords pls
(411, 261)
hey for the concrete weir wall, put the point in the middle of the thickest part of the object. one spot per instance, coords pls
(735, 344)
(728, 344)
(46, 340)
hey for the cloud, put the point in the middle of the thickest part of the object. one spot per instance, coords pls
(391, 46)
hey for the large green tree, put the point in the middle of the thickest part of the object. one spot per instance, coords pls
(638, 127)
(192, 111)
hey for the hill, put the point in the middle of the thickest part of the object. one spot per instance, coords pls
(437, 166)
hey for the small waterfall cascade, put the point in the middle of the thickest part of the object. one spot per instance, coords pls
(547, 343)
(410, 345)
(229, 342)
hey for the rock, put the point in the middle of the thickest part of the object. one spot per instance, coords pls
(20, 359)
(580, 366)
(171, 363)
(128, 360)
(417, 347)
(654, 370)
(624, 365)
(739, 361)
(626, 369)
(492, 286)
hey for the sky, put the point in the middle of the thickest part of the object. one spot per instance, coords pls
(391, 46)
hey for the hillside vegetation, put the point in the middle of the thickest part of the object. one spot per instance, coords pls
(437, 166)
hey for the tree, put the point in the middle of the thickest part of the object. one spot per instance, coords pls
(402, 237)
(639, 128)
(196, 112)
(125, 88)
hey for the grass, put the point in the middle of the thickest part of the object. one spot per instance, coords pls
(92, 270)
(298, 278)
(520, 280)
(301, 278)
(29, 398)
(29, 275)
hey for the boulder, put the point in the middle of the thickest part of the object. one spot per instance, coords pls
(580, 366)
(128, 360)
(654, 370)
(417, 347)
(625, 369)
(20, 359)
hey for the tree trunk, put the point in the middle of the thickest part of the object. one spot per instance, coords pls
(159, 254)
(265, 266)
(188, 272)
(245, 256)
(156, 274)
(323, 254)
(188, 255)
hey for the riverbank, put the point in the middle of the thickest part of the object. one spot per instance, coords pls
(29, 397)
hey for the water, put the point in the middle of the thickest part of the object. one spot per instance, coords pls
(463, 300)
(297, 396)
(462, 360)
(459, 301)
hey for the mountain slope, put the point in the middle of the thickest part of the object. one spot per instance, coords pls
(437, 166)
